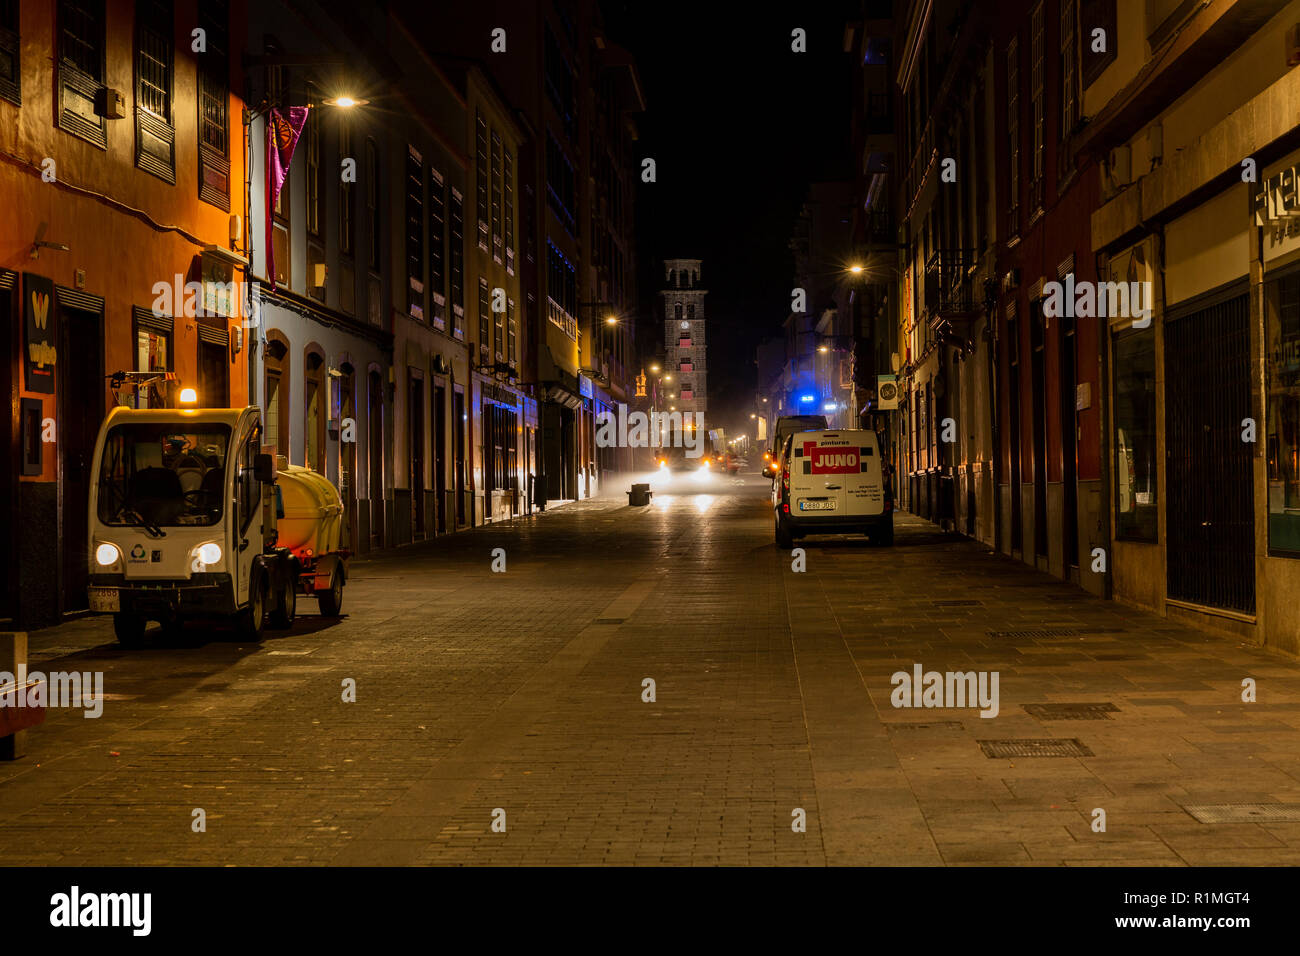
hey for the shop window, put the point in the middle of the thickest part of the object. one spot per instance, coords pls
(1282, 359)
(1134, 440)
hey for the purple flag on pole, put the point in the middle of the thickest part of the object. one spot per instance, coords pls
(282, 134)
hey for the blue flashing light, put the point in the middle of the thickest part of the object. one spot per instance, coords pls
(807, 398)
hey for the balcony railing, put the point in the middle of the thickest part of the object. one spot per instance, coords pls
(561, 319)
(949, 289)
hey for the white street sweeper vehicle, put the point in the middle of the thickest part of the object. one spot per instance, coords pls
(190, 521)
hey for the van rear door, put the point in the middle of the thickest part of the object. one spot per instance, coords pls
(822, 463)
(865, 488)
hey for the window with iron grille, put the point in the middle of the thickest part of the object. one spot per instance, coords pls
(438, 246)
(1036, 104)
(81, 69)
(508, 179)
(481, 177)
(414, 233)
(155, 137)
(457, 263)
(81, 36)
(1013, 135)
(484, 321)
(153, 21)
(10, 60)
(497, 176)
(214, 104)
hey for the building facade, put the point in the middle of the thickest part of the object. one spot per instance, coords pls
(121, 176)
(1192, 124)
(322, 348)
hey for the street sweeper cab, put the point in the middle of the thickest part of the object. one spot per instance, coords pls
(189, 520)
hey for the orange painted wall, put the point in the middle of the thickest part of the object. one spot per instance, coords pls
(121, 254)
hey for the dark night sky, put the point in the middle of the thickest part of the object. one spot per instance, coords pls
(738, 126)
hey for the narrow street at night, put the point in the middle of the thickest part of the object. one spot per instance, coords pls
(595, 470)
(523, 690)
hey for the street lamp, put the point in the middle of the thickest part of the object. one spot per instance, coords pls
(345, 102)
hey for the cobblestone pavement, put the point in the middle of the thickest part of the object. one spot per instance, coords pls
(522, 691)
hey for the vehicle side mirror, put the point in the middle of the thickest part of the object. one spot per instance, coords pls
(264, 469)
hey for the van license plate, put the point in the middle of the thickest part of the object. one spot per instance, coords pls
(827, 505)
(105, 599)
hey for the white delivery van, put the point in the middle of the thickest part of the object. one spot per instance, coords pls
(832, 482)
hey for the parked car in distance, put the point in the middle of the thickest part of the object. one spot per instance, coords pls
(832, 482)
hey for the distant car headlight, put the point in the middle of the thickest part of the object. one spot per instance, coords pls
(106, 555)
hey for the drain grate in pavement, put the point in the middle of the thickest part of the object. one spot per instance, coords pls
(609, 620)
(1050, 747)
(1099, 711)
(936, 725)
(1246, 812)
(1040, 632)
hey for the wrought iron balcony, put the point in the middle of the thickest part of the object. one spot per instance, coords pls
(949, 287)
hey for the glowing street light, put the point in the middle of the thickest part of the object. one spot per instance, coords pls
(345, 102)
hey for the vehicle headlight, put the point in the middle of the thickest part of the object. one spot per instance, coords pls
(107, 555)
(206, 554)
